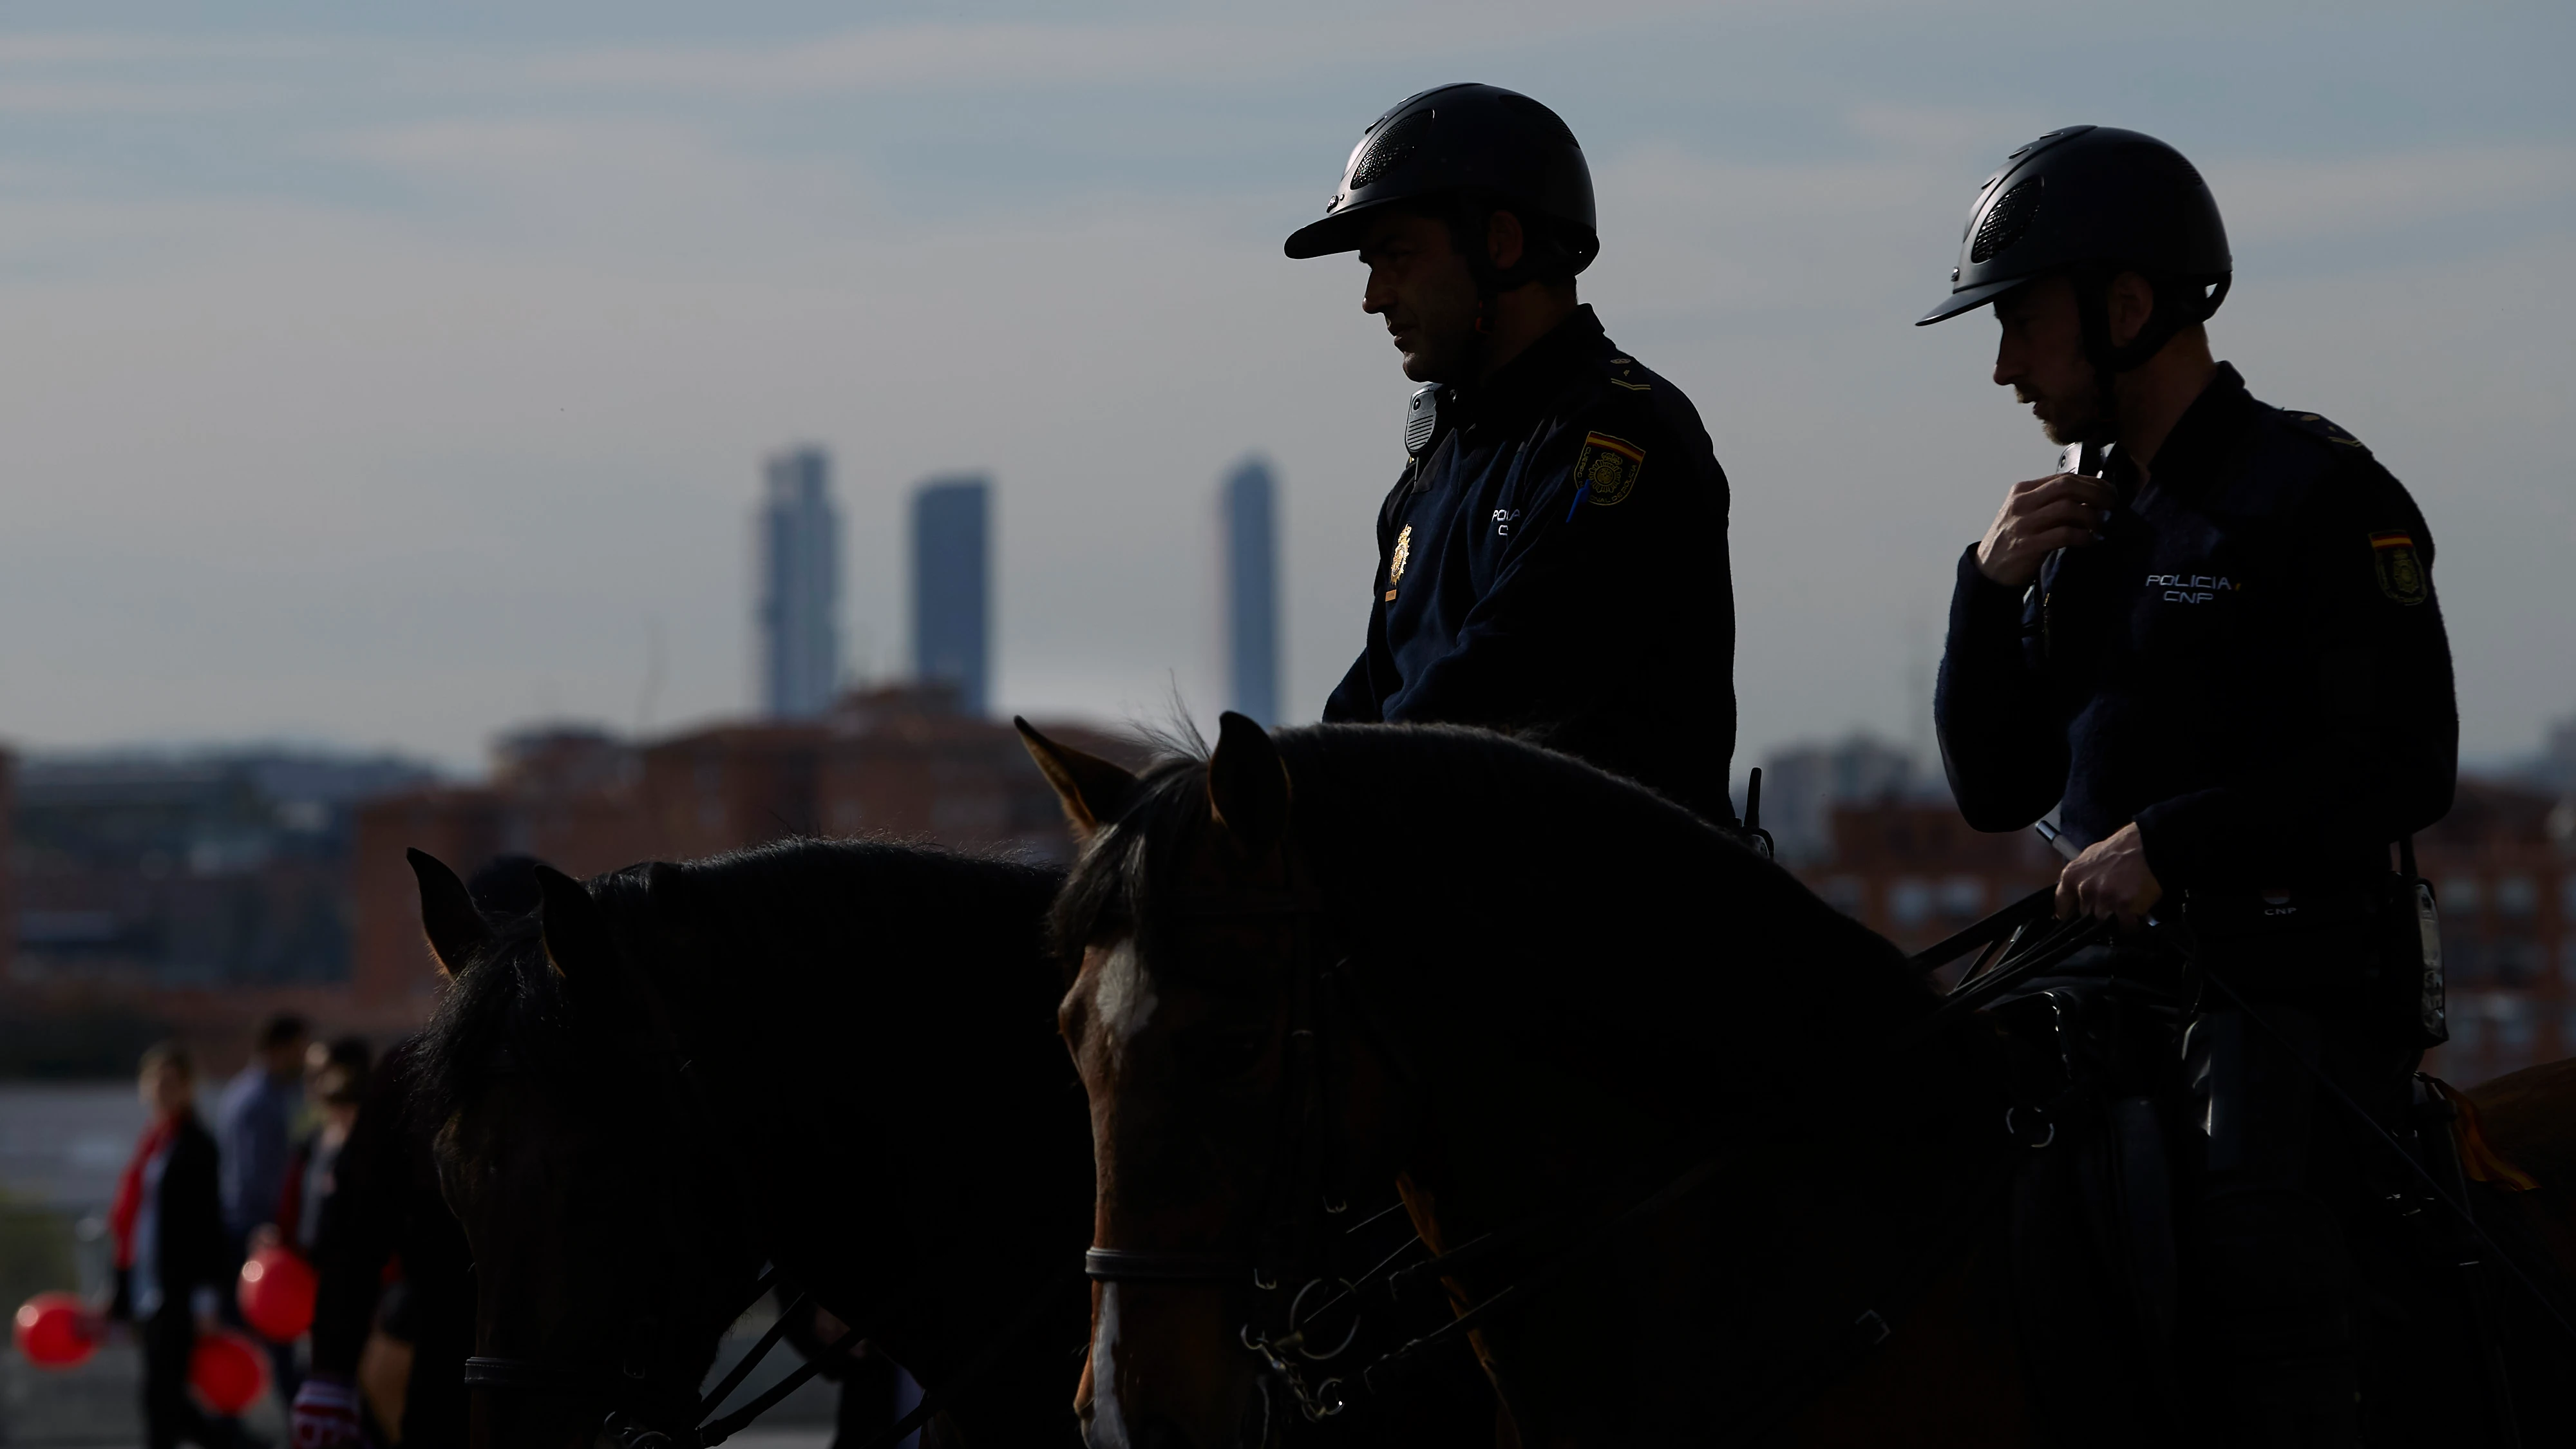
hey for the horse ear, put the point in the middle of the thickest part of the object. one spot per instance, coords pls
(575, 933)
(1248, 786)
(1093, 790)
(447, 916)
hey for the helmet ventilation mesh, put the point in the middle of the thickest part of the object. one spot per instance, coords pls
(2006, 220)
(1390, 148)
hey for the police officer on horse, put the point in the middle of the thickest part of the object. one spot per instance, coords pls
(1552, 560)
(2219, 655)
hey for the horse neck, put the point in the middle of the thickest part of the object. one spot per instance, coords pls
(1581, 1010)
(860, 1074)
(1825, 1199)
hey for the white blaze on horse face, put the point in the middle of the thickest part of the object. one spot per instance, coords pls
(1106, 1428)
(1123, 998)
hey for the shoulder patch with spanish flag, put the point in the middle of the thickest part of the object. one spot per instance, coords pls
(2401, 574)
(1606, 470)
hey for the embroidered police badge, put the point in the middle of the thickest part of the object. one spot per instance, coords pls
(2328, 431)
(1395, 565)
(1607, 468)
(2401, 574)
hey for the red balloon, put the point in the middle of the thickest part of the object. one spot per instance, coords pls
(276, 1294)
(228, 1371)
(56, 1331)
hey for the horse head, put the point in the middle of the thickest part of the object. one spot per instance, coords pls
(607, 1259)
(1193, 922)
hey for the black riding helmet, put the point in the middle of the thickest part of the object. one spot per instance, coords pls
(1479, 143)
(2095, 201)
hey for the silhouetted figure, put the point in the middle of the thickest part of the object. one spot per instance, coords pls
(385, 1203)
(173, 1257)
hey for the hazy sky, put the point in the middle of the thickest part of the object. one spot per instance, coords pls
(390, 375)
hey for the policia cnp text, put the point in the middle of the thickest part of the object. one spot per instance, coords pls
(2223, 662)
(1552, 560)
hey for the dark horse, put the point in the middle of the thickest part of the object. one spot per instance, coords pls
(1697, 1172)
(835, 1057)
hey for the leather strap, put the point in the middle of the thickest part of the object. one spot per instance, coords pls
(1146, 1265)
(536, 1376)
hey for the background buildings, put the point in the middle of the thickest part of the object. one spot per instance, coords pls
(952, 590)
(799, 615)
(1250, 515)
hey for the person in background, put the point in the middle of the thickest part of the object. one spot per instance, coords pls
(337, 1082)
(255, 1123)
(254, 1126)
(385, 1205)
(173, 1258)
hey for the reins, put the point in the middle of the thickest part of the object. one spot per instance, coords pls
(2061, 940)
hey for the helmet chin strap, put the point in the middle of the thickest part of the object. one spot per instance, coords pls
(1467, 232)
(2178, 304)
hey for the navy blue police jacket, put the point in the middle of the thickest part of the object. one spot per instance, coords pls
(1553, 564)
(2249, 663)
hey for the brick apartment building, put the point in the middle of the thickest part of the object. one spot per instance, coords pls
(898, 763)
(2503, 865)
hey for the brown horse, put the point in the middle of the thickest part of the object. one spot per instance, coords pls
(1695, 1171)
(2529, 1118)
(832, 1056)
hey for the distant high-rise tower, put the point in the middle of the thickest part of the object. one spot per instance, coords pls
(1252, 590)
(951, 589)
(800, 586)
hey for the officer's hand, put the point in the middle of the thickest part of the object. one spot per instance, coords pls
(2063, 510)
(2111, 880)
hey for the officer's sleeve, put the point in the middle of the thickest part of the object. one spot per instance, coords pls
(1354, 700)
(1358, 698)
(1588, 593)
(2002, 744)
(2375, 752)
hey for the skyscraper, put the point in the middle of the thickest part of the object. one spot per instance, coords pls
(951, 588)
(800, 586)
(1252, 590)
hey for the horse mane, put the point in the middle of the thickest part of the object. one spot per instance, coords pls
(835, 905)
(1567, 887)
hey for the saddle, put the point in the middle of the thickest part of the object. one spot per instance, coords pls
(2090, 1232)
(2089, 1228)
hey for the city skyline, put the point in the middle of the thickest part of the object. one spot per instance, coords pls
(398, 370)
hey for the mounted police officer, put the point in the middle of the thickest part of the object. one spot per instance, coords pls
(1552, 560)
(2223, 662)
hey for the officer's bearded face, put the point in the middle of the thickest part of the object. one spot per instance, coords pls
(2041, 358)
(1420, 285)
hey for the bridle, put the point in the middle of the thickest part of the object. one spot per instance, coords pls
(1304, 1195)
(1300, 1240)
(650, 1373)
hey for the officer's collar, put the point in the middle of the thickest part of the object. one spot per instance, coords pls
(1540, 372)
(2206, 431)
